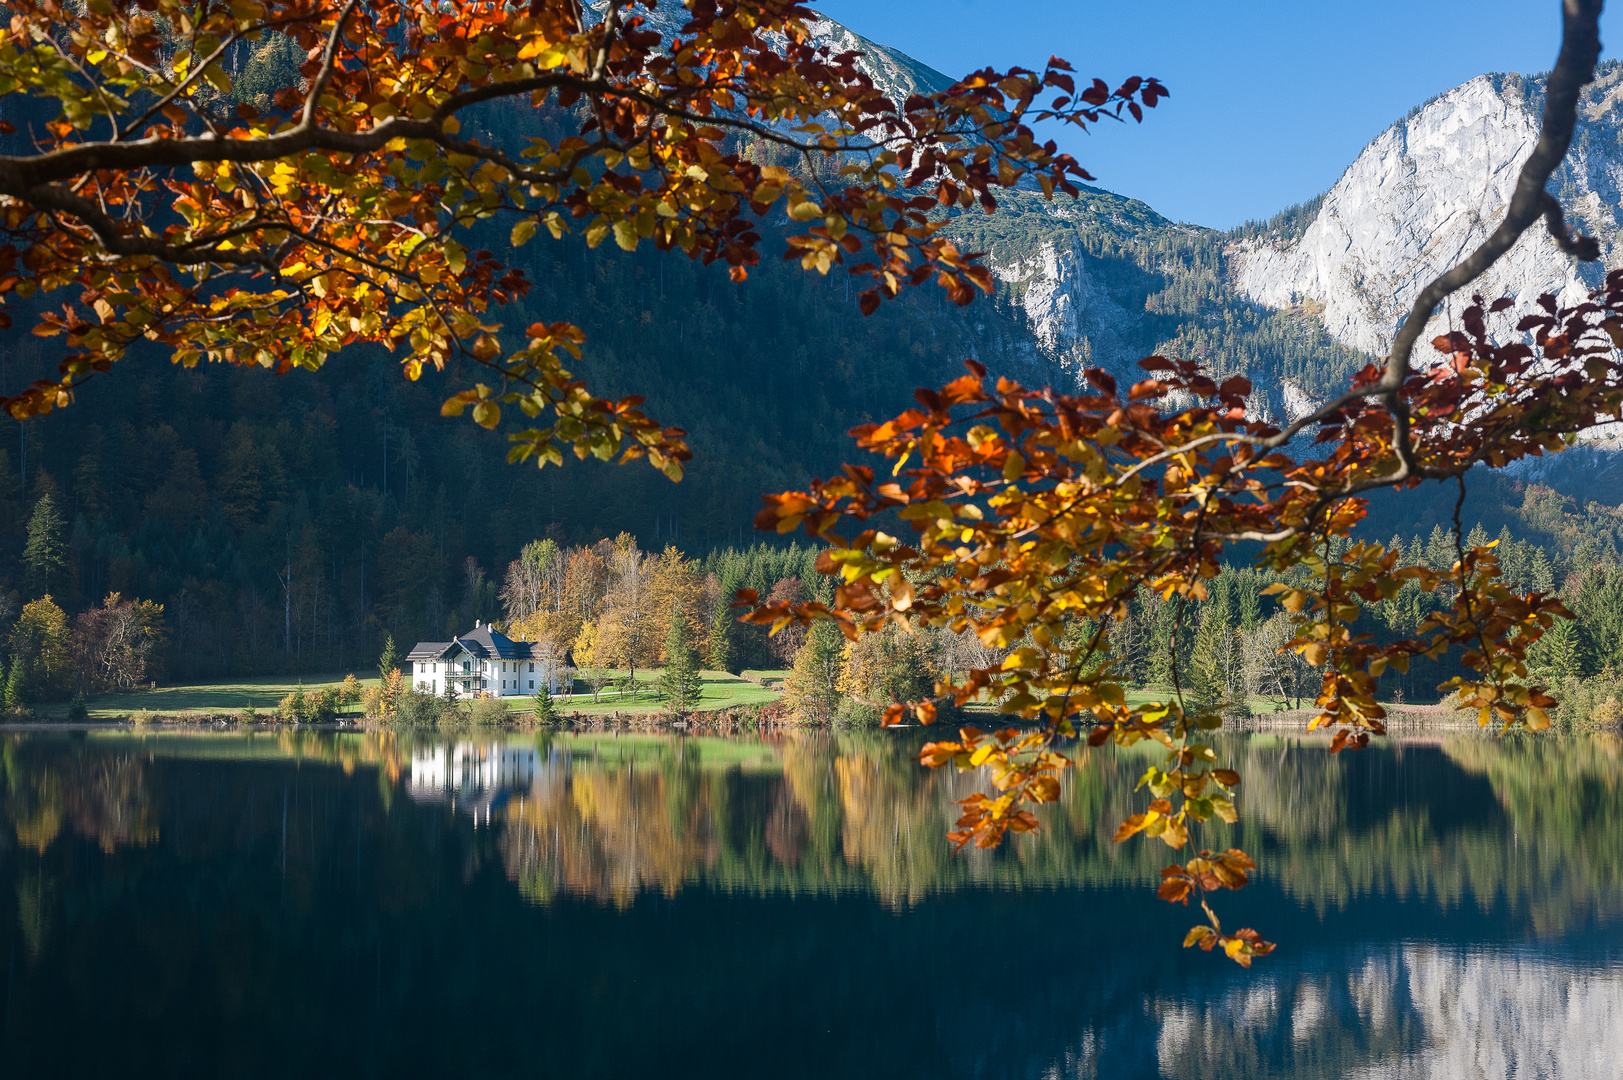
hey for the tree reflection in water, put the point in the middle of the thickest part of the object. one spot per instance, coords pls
(1447, 908)
(1532, 822)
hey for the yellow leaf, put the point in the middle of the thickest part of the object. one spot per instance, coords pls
(1129, 827)
(523, 231)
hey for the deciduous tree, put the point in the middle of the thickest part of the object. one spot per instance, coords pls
(812, 688)
(341, 208)
(116, 646)
(39, 653)
(1032, 510)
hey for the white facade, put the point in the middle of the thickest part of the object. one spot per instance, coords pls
(472, 767)
(473, 676)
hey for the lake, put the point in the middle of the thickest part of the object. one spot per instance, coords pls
(315, 904)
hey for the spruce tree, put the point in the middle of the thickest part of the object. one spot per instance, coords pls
(681, 683)
(46, 555)
(722, 653)
(17, 684)
(546, 710)
(1560, 651)
(1207, 684)
(390, 658)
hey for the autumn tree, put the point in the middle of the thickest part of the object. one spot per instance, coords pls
(676, 593)
(628, 634)
(527, 586)
(389, 659)
(350, 206)
(812, 687)
(787, 641)
(116, 646)
(889, 666)
(39, 653)
(1032, 510)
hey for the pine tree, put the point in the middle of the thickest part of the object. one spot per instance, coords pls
(1208, 683)
(1168, 646)
(17, 684)
(722, 655)
(390, 658)
(1559, 653)
(546, 710)
(681, 683)
(46, 556)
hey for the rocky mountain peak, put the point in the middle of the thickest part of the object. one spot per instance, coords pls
(1428, 190)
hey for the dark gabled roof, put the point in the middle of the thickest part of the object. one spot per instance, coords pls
(429, 650)
(488, 644)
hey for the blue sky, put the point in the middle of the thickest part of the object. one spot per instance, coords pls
(1271, 100)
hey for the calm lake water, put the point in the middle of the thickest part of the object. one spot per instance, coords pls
(357, 905)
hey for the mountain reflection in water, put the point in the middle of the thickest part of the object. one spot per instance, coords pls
(607, 906)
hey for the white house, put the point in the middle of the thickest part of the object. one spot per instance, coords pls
(487, 663)
(472, 767)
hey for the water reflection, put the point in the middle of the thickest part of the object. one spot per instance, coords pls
(1418, 1011)
(1446, 908)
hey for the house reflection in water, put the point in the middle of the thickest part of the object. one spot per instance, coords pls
(477, 777)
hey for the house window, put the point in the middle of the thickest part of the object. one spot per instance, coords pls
(532, 668)
(532, 683)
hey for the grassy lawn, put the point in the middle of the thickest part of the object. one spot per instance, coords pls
(721, 691)
(263, 694)
(710, 752)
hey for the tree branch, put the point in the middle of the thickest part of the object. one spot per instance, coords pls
(180, 88)
(329, 60)
(1574, 68)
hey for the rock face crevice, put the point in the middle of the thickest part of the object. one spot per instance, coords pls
(1425, 193)
(1073, 322)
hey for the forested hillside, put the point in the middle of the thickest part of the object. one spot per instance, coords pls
(287, 524)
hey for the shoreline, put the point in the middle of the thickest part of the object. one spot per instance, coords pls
(1293, 723)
